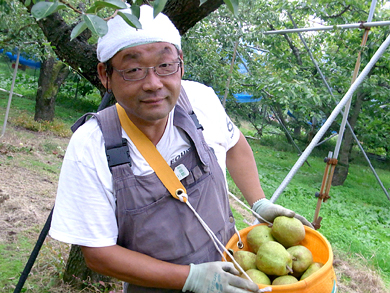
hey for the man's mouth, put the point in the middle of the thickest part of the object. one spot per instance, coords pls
(152, 101)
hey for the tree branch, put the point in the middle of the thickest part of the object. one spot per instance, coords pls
(294, 49)
(346, 8)
(12, 36)
(71, 7)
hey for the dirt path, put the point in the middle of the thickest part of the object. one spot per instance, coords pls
(29, 169)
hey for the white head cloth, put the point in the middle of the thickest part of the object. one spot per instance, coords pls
(120, 35)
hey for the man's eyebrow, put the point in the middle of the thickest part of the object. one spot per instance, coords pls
(131, 56)
(136, 55)
(166, 50)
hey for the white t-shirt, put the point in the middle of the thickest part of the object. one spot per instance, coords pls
(84, 212)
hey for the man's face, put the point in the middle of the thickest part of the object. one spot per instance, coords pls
(149, 100)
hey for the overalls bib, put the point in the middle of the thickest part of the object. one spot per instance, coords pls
(151, 221)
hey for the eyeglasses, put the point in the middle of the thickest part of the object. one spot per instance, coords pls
(138, 73)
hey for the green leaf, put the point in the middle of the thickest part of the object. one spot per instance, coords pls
(135, 10)
(93, 39)
(158, 6)
(116, 4)
(43, 9)
(78, 29)
(27, 3)
(97, 25)
(130, 19)
(232, 5)
(93, 9)
(202, 1)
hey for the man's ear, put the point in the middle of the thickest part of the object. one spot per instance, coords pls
(103, 76)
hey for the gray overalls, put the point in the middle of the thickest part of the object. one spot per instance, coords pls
(150, 220)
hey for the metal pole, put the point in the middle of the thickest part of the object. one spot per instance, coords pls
(355, 73)
(331, 118)
(10, 94)
(372, 10)
(361, 25)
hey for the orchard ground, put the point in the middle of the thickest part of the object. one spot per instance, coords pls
(29, 166)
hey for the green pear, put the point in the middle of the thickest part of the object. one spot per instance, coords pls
(288, 231)
(257, 276)
(315, 266)
(273, 259)
(285, 280)
(302, 259)
(246, 259)
(257, 236)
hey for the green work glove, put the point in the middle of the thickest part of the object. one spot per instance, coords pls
(217, 277)
(269, 211)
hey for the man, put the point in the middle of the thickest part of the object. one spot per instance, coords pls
(129, 227)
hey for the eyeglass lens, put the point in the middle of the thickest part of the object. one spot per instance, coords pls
(163, 69)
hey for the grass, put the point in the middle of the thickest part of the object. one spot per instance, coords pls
(46, 275)
(356, 220)
(22, 110)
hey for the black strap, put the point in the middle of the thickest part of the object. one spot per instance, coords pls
(196, 121)
(34, 254)
(108, 96)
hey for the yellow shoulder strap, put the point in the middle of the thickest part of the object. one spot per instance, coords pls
(152, 156)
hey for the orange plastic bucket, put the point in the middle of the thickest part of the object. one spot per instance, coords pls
(322, 281)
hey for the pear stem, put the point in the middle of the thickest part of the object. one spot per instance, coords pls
(289, 269)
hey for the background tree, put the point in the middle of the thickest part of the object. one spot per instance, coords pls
(51, 76)
(283, 74)
(26, 36)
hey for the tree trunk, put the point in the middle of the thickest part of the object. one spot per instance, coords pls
(341, 171)
(297, 132)
(51, 76)
(278, 111)
(80, 276)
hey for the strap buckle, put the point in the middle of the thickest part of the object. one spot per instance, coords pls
(118, 155)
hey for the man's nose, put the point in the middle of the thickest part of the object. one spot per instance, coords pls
(152, 81)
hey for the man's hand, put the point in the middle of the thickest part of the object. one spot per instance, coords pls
(217, 277)
(270, 211)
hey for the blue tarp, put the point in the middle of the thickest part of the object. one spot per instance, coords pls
(245, 98)
(22, 59)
